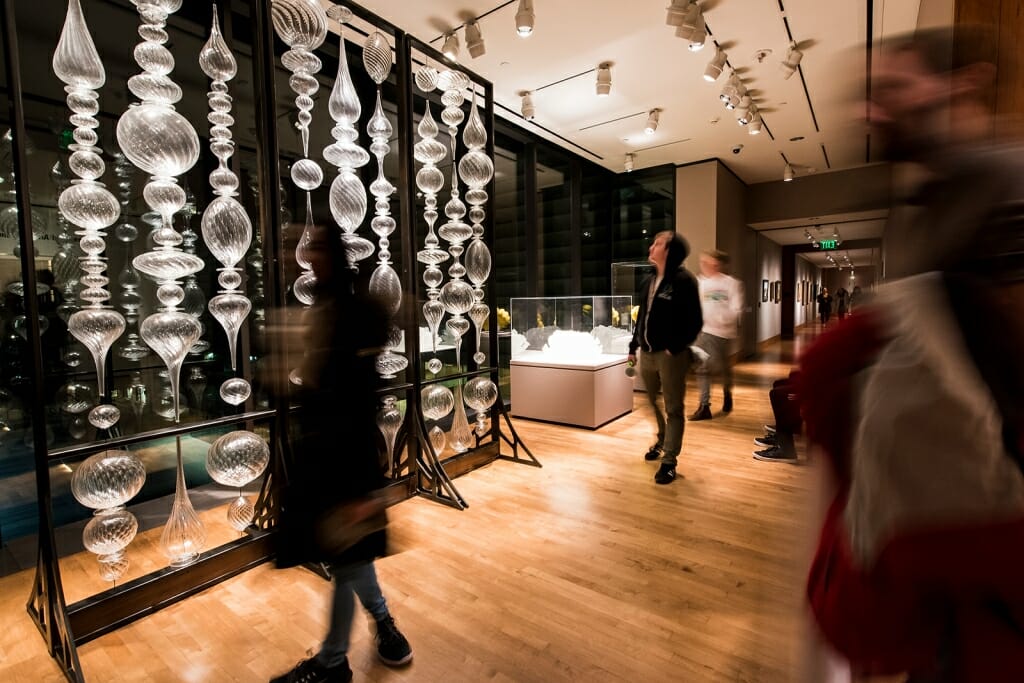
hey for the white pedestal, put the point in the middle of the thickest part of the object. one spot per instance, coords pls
(583, 393)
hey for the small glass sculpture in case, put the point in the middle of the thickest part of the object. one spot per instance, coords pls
(571, 325)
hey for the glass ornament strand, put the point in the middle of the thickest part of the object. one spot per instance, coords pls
(128, 280)
(226, 227)
(302, 26)
(430, 181)
(164, 144)
(87, 203)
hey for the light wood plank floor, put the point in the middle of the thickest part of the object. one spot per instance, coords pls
(584, 570)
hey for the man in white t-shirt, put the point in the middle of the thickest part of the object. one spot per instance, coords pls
(721, 300)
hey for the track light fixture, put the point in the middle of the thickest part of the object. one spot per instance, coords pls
(474, 40)
(793, 58)
(676, 12)
(525, 18)
(745, 115)
(787, 174)
(652, 121)
(604, 79)
(731, 88)
(628, 164)
(692, 22)
(529, 113)
(755, 124)
(451, 46)
(714, 68)
(699, 35)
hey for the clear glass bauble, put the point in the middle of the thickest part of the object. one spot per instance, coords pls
(389, 421)
(461, 435)
(433, 313)
(230, 311)
(184, 535)
(426, 79)
(112, 567)
(171, 335)
(455, 231)
(235, 391)
(479, 357)
(167, 265)
(434, 366)
(430, 179)
(89, 205)
(456, 297)
(386, 287)
(437, 401)
(377, 57)
(458, 326)
(348, 201)
(104, 416)
(358, 248)
(108, 479)
(480, 393)
(389, 364)
(452, 80)
(299, 23)
(227, 230)
(109, 531)
(236, 458)
(240, 513)
(474, 135)
(343, 103)
(75, 398)
(158, 140)
(307, 174)
(304, 288)
(215, 59)
(97, 329)
(438, 440)
(76, 62)
(476, 168)
(478, 262)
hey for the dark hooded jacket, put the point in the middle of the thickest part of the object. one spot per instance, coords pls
(675, 318)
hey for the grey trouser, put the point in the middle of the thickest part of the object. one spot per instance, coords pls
(718, 349)
(665, 372)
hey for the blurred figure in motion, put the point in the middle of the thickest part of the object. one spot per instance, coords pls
(329, 511)
(824, 306)
(721, 302)
(917, 400)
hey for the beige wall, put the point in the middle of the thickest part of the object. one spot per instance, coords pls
(935, 14)
(696, 208)
(740, 242)
(855, 191)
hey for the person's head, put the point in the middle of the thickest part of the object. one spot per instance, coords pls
(824, 291)
(667, 251)
(327, 255)
(713, 262)
(930, 89)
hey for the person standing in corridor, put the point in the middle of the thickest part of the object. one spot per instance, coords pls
(721, 300)
(668, 323)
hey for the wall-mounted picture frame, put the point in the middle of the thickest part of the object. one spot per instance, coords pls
(778, 291)
(800, 292)
(764, 290)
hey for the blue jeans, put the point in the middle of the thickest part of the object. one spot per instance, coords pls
(361, 579)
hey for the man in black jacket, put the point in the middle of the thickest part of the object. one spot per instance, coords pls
(667, 324)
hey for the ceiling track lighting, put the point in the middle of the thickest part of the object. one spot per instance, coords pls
(525, 18)
(787, 174)
(714, 68)
(698, 35)
(628, 164)
(676, 12)
(744, 115)
(792, 62)
(529, 113)
(652, 121)
(474, 40)
(451, 46)
(755, 124)
(730, 88)
(604, 79)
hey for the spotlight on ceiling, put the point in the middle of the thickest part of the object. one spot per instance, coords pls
(793, 58)
(529, 113)
(652, 121)
(698, 35)
(524, 18)
(744, 115)
(676, 12)
(787, 175)
(628, 164)
(714, 68)
(755, 125)
(451, 46)
(731, 88)
(474, 40)
(604, 79)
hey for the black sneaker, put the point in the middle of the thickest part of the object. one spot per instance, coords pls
(666, 474)
(702, 413)
(392, 647)
(653, 453)
(312, 671)
(766, 441)
(769, 429)
(774, 454)
(727, 403)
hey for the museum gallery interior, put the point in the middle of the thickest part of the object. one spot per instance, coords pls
(496, 172)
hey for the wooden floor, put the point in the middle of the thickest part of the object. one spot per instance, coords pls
(584, 570)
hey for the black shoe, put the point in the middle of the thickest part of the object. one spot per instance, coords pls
(666, 474)
(769, 429)
(702, 413)
(392, 647)
(774, 454)
(727, 402)
(312, 671)
(653, 453)
(766, 441)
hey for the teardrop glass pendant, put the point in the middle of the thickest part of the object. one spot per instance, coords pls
(184, 535)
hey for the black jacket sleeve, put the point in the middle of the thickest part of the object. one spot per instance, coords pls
(638, 328)
(686, 310)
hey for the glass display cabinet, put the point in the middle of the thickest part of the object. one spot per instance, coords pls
(568, 359)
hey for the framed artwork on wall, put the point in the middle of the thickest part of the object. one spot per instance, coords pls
(800, 292)
(778, 291)
(764, 290)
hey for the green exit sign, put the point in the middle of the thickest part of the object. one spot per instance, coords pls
(827, 244)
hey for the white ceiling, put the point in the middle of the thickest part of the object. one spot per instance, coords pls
(848, 231)
(857, 257)
(654, 69)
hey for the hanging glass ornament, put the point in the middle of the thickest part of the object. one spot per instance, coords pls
(436, 402)
(64, 263)
(348, 196)
(481, 393)
(235, 459)
(226, 227)
(184, 535)
(240, 513)
(163, 143)
(129, 299)
(461, 437)
(87, 203)
(302, 25)
(430, 180)
(194, 302)
(389, 421)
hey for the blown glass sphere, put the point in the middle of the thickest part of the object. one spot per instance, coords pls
(437, 401)
(426, 79)
(457, 297)
(227, 230)
(110, 531)
(104, 416)
(385, 286)
(75, 398)
(435, 365)
(236, 458)
(299, 23)
(480, 393)
(307, 174)
(388, 364)
(235, 391)
(240, 513)
(108, 479)
(437, 439)
(377, 57)
(158, 140)
(113, 567)
(89, 205)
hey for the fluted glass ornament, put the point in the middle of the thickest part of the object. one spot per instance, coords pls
(226, 227)
(112, 567)
(438, 440)
(74, 398)
(240, 513)
(302, 25)
(389, 422)
(236, 458)
(104, 416)
(426, 78)
(429, 179)
(377, 57)
(108, 479)
(163, 143)
(434, 365)
(478, 313)
(235, 391)
(436, 401)
(109, 531)
(461, 436)
(184, 535)
(87, 203)
(480, 394)
(388, 364)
